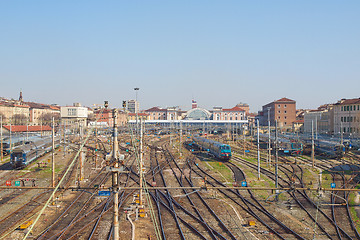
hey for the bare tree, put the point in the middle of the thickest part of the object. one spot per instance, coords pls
(91, 117)
(19, 119)
(3, 117)
(46, 118)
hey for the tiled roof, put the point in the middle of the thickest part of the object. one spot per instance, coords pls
(9, 104)
(234, 109)
(42, 106)
(156, 109)
(284, 100)
(349, 101)
(139, 114)
(24, 128)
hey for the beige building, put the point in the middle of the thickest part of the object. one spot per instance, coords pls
(320, 120)
(74, 116)
(42, 114)
(140, 116)
(347, 117)
(14, 113)
(156, 113)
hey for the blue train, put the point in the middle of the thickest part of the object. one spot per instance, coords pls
(23, 155)
(16, 141)
(219, 150)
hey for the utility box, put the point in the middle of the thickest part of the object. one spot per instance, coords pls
(252, 223)
(26, 225)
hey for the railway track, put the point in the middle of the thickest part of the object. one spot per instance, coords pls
(9, 223)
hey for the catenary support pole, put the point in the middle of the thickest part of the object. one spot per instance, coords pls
(53, 153)
(258, 149)
(115, 183)
(312, 144)
(269, 142)
(141, 163)
(276, 161)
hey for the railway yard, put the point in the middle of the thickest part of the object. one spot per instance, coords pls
(186, 193)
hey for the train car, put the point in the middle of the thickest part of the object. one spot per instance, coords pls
(219, 150)
(285, 145)
(330, 149)
(22, 156)
(16, 141)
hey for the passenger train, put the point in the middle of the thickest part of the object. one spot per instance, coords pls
(329, 148)
(219, 150)
(23, 155)
(285, 145)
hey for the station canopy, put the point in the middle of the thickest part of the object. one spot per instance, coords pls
(198, 114)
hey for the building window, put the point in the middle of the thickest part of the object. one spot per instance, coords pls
(358, 107)
(278, 117)
(279, 106)
(284, 111)
(342, 108)
(342, 119)
(278, 111)
(350, 108)
(285, 117)
(347, 108)
(284, 123)
(285, 106)
(351, 119)
(71, 111)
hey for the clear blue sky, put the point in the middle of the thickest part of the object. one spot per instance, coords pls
(217, 52)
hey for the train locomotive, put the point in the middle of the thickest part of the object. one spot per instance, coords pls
(23, 155)
(219, 150)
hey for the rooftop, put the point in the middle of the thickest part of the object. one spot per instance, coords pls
(24, 128)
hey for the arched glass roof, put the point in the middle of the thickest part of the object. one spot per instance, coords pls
(198, 114)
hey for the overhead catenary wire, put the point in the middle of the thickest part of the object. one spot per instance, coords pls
(145, 188)
(62, 179)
